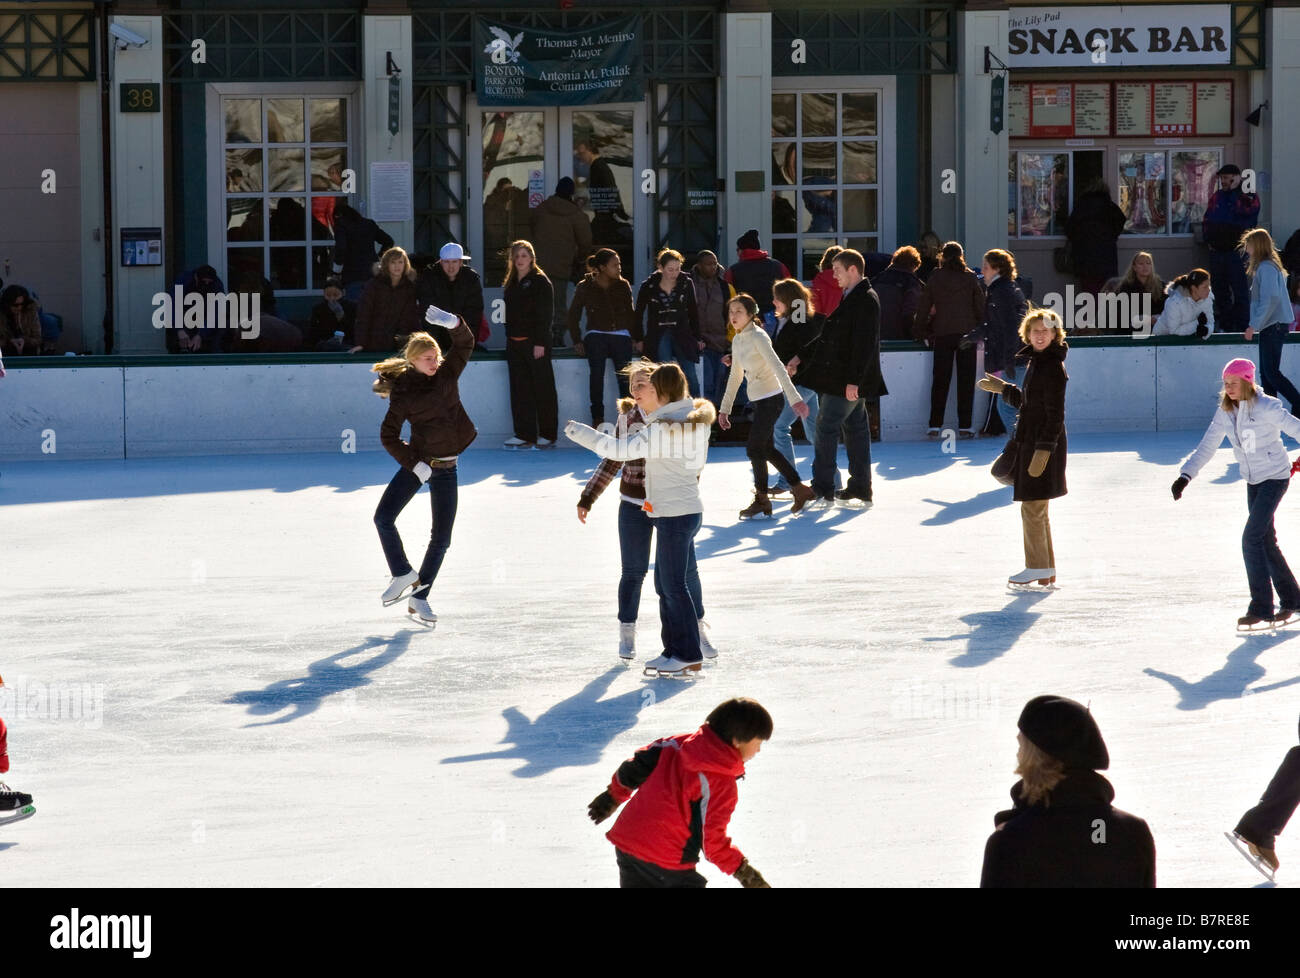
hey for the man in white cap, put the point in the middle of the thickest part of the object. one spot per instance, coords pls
(452, 285)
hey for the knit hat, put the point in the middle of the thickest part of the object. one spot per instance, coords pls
(1240, 368)
(749, 240)
(565, 187)
(1066, 730)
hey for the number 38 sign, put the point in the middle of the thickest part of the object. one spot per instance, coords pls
(140, 97)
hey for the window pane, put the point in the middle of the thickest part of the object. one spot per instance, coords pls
(606, 184)
(243, 120)
(785, 220)
(866, 245)
(784, 250)
(817, 211)
(859, 115)
(244, 218)
(818, 163)
(329, 120)
(1044, 196)
(284, 120)
(818, 114)
(243, 171)
(1142, 192)
(327, 166)
(785, 170)
(322, 266)
(513, 144)
(322, 217)
(286, 169)
(783, 115)
(859, 162)
(1193, 175)
(859, 210)
(288, 219)
(242, 264)
(812, 250)
(289, 268)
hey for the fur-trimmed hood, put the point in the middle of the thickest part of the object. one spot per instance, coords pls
(697, 411)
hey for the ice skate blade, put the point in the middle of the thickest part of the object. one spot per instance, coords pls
(757, 516)
(401, 597)
(691, 672)
(1032, 587)
(421, 621)
(27, 811)
(1243, 847)
(1261, 628)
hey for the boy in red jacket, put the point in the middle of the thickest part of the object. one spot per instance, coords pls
(687, 792)
(11, 802)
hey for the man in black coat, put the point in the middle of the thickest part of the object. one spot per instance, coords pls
(453, 286)
(843, 367)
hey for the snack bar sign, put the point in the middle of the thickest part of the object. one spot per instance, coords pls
(523, 66)
(1102, 37)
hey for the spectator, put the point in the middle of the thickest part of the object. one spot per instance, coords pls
(1270, 312)
(612, 225)
(899, 291)
(952, 305)
(825, 293)
(1061, 806)
(1230, 213)
(454, 286)
(1093, 229)
(355, 240)
(1142, 285)
(334, 314)
(562, 236)
(665, 304)
(612, 328)
(799, 322)
(388, 312)
(712, 294)
(1005, 306)
(1189, 307)
(755, 272)
(929, 250)
(203, 339)
(1294, 291)
(20, 323)
(534, 406)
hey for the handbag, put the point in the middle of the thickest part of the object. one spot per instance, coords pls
(1005, 465)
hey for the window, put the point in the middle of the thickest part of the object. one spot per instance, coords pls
(1043, 186)
(284, 158)
(825, 175)
(1165, 192)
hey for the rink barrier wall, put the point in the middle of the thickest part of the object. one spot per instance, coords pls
(148, 406)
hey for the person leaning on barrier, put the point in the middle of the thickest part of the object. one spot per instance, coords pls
(1189, 307)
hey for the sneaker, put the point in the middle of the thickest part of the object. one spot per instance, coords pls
(516, 444)
(545, 443)
(418, 608)
(400, 587)
(627, 640)
(761, 506)
(706, 647)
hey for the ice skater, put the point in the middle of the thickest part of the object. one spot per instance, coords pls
(1040, 438)
(1253, 423)
(675, 446)
(635, 527)
(14, 805)
(753, 357)
(683, 791)
(1260, 827)
(1271, 314)
(421, 387)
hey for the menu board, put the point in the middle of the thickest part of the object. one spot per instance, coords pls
(1018, 110)
(1174, 106)
(1132, 108)
(1092, 110)
(1214, 108)
(1051, 109)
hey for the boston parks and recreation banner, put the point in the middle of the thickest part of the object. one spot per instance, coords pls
(584, 66)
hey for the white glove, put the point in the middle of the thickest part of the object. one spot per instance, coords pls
(422, 472)
(571, 429)
(440, 317)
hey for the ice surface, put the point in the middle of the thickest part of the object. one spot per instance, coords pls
(249, 714)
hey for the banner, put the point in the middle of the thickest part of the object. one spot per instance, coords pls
(594, 64)
(1183, 35)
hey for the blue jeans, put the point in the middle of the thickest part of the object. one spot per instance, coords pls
(665, 355)
(1266, 568)
(715, 376)
(781, 433)
(1231, 291)
(674, 555)
(635, 528)
(1272, 340)
(602, 347)
(838, 415)
(443, 493)
(1006, 412)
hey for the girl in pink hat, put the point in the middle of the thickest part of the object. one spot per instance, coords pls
(1253, 423)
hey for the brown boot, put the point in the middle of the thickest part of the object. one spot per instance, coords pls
(760, 506)
(802, 494)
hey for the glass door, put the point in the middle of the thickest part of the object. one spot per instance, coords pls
(599, 145)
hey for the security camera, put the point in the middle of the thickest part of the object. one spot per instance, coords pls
(126, 38)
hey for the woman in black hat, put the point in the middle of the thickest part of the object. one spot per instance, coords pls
(1062, 829)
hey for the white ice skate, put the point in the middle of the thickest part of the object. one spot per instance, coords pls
(418, 609)
(1255, 856)
(706, 647)
(516, 445)
(545, 443)
(1033, 579)
(627, 640)
(667, 667)
(400, 587)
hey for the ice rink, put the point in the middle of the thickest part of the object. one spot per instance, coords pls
(203, 689)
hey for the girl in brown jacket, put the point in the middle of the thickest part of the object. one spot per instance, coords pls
(421, 387)
(388, 308)
(952, 304)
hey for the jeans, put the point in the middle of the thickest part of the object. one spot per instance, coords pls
(1266, 568)
(602, 347)
(443, 494)
(946, 349)
(838, 415)
(782, 439)
(665, 355)
(1231, 291)
(1263, 823)
(635, 528)
(715, 376)
(760, 448)
(1006, 412)
(674, 555)
(637, 874)
(1272, 340)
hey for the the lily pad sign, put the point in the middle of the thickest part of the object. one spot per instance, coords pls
(599, 62)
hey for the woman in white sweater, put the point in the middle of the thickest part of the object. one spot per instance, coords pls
(753, 357)
(675, 446)
(1189, 307)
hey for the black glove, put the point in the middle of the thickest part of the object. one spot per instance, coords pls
(750, 878)
(601, 807)
(1179, 485)
(1202, 331)
(1202, 319)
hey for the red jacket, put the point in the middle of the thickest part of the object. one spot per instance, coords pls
(4, 748)
(687, 792)
(826, 292)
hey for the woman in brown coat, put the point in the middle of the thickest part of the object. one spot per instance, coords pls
(388, 311)
(952, 304)
(422, 387)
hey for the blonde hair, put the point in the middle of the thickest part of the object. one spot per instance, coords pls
(1155, 285)
(636, 367)
(510, 262)
(1228, 404)
(417, 345)
(1259, 247)
(396, 252)
(1039, 772)
(1051, 318)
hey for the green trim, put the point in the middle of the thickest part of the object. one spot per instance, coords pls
(916, 39)
(263, 45)
(47, 45)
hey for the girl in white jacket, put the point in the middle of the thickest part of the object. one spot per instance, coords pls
(1253, 422)
(1189, 307)
(675, 446)
(752, 356)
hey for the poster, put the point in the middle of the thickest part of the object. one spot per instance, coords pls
(390, 192)
(1051, 109)
(1132, 108)
(1018, 110)
(536, 188)
(1214, 108)
(1092, 110)
(600, 62)
(1172, 108)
